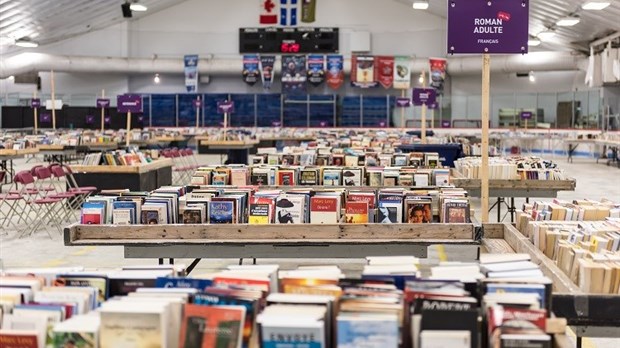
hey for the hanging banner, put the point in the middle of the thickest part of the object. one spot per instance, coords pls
(308, 11)
(402, 73)
(385, 71)
(90, 119)
(363, 72)
(268, 12)
(288, 12)
(423, 96)
(45, 118)
(438, 73)
(191, 73)
(266, 70)
(316, 69)
(293, 74)
(499, 26)
(433, 106)
(335, 71)
(107, 120)
(129, 103)
(103, 103)
(35, 103)
(403, 102)
(250, 69)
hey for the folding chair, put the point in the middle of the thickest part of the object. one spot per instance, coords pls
(44, 208)
(44, 175)
(84, 191)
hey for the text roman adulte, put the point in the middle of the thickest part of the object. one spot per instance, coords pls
(488, 26)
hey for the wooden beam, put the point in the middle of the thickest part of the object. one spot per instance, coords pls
(484, 170)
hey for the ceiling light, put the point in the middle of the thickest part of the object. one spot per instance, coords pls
(567, 21)
(533, 42)
(6, 41)
(420, 4)
(546, 35)
(137, 7)
(532, 77)
(595, 5)
(26, 42)
(156, 79)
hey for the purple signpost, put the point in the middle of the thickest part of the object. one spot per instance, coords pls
(445, 124)
(403, 102)
(128, 103)
(225, 107)
(45, 118)
(197, 104)
(487, 27)
(35, 103)
(103, 103)
(424, 96)
(526, 116)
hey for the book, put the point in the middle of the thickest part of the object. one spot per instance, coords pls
(81, 331)
(332, 177)
(309, 176)
(367, 330)
(221, 212)
(418, 211)
(324, 210)
(193, 214)
(291, 208)
(285, 177)
(390, 207)
(356, 212)
(260, 214)
(212, 326)
(352, 177)
(445, 339)
(93, 213)
(20, 339)
(456, 212)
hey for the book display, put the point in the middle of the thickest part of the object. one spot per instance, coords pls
(397, 301)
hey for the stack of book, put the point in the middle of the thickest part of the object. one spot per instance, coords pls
(266, 175)
(116, 158)
(562, 210)
(397, 301)
(510, 168)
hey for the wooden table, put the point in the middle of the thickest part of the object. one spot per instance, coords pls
(591, 315)
(143, 177)
(6, 161)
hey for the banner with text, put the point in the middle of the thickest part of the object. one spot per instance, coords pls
(316, 69)
(385, 71)
(363, 72)
(250, 69)
(498, 26)
(294, 74)
(266, 70)
(191, 73)
(225, 107)
(438, 73)
(335, 71)
(423, 96)
(308, 11)
(402, 73)
(103, 103)
(129, 103)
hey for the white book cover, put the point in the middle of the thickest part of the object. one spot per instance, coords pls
(291, 208)
(324, 210)
(121, 217)
(445, 339)
(34, 324)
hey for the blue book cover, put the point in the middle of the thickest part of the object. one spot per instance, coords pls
(519, 288)
(354, 332)
(186, 283)
(221, 212)
(127, 205)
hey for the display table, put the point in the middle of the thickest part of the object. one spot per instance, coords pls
(280, 141)
(161, 142)
(143, 177)
(57, 153)
(512, 189)
(238, 151)
(99, 147)
(591, 315)
(6, 160)
(448, 153)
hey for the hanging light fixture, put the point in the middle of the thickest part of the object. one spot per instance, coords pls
(595, 5)
(532, 77)
(420, 4)
(135, 6)
(157, 79)
(534, 41)
(546, 35)
(26, 42)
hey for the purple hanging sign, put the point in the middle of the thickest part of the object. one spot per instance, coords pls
(35, 103)
(424, 96)
(45, 118)
(140, 118)
(129, 103)
(90, 119)
(107, 120)
(403, 102)
(497, 26)
(382, 124)
(445, 124)
(526, 115)
(225, 107)
(433, 106)
(323, 123)
(197, 103)
(103, 103)
(276, 124)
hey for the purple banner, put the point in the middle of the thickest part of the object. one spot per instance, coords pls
(35, 103)
(107, 120)
(225, 107)
(276, 124)
(197, 103)
(424, 96)
(433, 106)
(445, 124)
(382, 124)
(45, 118)
(498, 26)
(103, 103)
(90, 119)
(526, 115)
(129, 103)
(403, 102)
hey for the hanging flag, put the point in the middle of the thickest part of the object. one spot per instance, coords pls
(293, 74)
(266, 69)
(438, 73)
(45, 118)
(316, 69)
(288, 12)
(363, 72)
(402, 73)
(308, 11)
(385, 71)
(335, 71)
(250, 69)
(268, 12)
(191, 73)
(90, 119)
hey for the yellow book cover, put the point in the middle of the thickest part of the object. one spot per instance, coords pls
(259, 214)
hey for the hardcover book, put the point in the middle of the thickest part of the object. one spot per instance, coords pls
(352, 177)
(309, 176)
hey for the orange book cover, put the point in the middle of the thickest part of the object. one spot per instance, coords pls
(18, 340)
(212, 326)
(356, 212)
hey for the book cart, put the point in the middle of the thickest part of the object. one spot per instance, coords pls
(594, 315)
(142, 177)
(511, 189)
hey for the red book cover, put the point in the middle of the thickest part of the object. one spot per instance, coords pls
(361, 197)
(510, 320)
(356, 212)
(252, 283)
(91, 219)
(18, 340)
(325, 204)
(286, 178)
(212, 326)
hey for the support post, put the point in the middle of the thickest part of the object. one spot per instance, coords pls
(128, 136)
(36, 114)
(102, 112)
(484, 170)
(424, 107)
(53, 100)
(402, 113)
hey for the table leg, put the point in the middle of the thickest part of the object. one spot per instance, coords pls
(499, 209)
(513, 209)
(579, 341)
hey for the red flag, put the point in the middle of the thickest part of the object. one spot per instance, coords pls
(268, 12)
(385, 71)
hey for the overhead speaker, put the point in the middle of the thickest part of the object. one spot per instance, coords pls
(126, 10)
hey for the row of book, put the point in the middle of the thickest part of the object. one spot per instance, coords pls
(510, 168)
(216, 205)
(397, 302)
(348, 157)
(263, 175)
(116, 158)
(563, 210)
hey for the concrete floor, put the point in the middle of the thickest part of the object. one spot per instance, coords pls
(594, 181)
